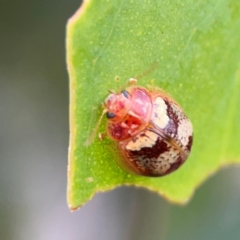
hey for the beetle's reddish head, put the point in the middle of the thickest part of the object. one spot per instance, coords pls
(118, 105)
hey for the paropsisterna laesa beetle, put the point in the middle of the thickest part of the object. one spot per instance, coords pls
(152, 134)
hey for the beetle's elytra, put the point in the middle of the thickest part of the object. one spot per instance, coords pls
(153, 135)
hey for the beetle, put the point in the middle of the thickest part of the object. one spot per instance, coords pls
(152, 134)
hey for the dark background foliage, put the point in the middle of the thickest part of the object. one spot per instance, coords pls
(34, 143)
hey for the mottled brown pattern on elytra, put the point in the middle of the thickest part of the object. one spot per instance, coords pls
(152, 152)
(176, 165)
(189, 145)
(172, 126)
(177, 116)
(157, 160)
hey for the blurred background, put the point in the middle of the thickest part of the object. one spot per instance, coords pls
(34, 144)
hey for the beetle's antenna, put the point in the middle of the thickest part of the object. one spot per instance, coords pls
(149, 70)
(94, 133)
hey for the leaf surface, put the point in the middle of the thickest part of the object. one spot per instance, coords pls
(196, 47)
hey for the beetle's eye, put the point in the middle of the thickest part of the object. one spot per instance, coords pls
(110, 115)
(125, 93)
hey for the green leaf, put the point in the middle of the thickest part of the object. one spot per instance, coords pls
(197, 47)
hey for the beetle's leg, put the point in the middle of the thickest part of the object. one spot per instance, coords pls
(103, 105)
(101, 136)
(94, 132)
(132, 81)
(112, 91)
